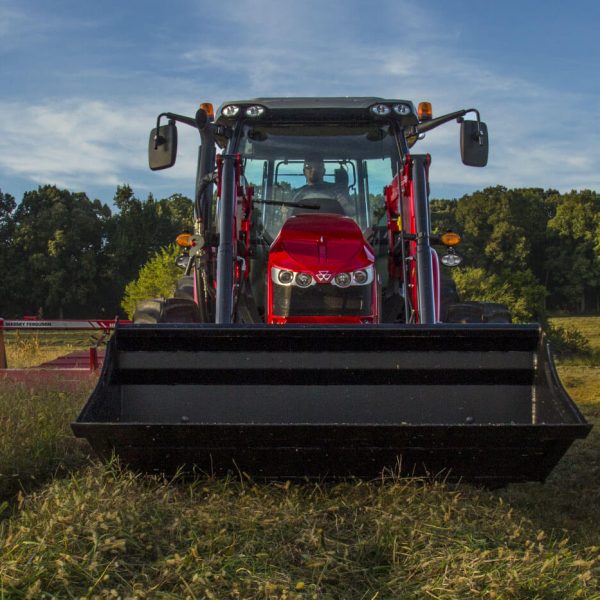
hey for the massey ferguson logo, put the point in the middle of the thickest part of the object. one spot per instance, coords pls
(323, 276)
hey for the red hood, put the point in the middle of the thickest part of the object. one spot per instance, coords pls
(312, 243)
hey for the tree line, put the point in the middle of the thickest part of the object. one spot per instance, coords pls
(536, 250)
(64, 255)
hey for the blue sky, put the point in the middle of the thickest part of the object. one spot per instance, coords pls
(82, 82)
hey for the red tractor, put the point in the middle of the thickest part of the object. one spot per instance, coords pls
(309, 334)
(359, 233)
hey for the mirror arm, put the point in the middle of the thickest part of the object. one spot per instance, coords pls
(479, 135)
(172, 117)
(429, 125)
(158, 139)
(181, 119)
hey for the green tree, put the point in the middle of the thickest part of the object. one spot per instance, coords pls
(505, 229)
(7, 258)
(520, 291)
(58, 238)
(443, 216)
(573, 251)
(138, 231)
(156, 279)
(505, 236)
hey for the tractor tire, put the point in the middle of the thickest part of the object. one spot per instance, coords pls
(477, 312)
(169, 310)
(463, 313)
(448, 295)
(185, 288)
(495, 313)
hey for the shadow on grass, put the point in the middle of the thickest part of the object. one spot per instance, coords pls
(569, 499)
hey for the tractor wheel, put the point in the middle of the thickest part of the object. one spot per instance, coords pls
(185, 288)
(169, 310)
(478, 312)
(448, 295)
(464, 312)
(495, 313)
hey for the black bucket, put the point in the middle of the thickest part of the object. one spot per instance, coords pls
(477, 402)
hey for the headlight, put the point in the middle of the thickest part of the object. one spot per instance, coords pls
(343, 280)
(255, 111)
(360, 277)
(230, 110)
(285, 277)
(304, 280)
(402, 109)
(381, 110)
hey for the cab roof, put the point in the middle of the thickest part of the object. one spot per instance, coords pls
(311, 109)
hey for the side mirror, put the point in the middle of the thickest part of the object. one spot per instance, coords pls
(162, 146)
(474, 143)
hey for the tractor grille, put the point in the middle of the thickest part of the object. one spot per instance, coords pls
(324, 300)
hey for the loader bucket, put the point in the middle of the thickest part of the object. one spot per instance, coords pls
(477, 402)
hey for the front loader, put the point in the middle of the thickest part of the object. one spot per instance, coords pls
(310, 334)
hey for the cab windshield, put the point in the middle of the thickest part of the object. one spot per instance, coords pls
(353, 165)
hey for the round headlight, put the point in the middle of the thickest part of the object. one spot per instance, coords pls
(230, 110)
(381, 110)
(402, 109)
(361, 277)
(451, 259)
(343, 279)
(303, 280)
(255, 111)
(285, 277)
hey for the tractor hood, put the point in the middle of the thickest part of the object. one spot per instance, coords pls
(321, 243)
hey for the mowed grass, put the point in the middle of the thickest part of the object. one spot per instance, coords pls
(32, 348)
(98, 531)
(108, 533)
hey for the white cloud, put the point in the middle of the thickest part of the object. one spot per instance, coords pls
(282, 51)
(284, 48)
(76, 142)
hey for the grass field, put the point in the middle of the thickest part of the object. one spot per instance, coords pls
(32, 348)
(73, 528)
(588, 326)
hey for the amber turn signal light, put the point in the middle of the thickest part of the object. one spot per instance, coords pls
(450, 238)
(185, 240)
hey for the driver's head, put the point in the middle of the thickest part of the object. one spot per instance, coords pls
(314, 169)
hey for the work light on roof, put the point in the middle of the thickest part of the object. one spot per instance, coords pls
(402, 109)
(231, 110)
(255, 111)
(381, 110)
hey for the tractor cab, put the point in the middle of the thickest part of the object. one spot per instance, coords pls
(318, 205)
